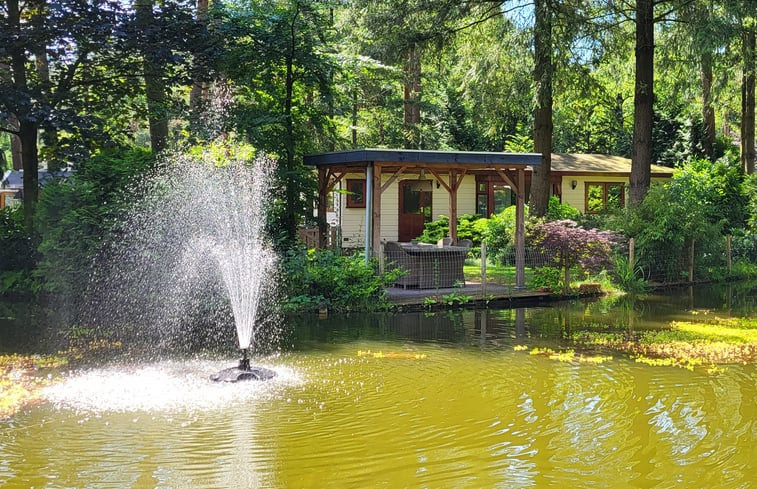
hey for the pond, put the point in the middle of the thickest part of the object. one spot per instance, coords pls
(405, 400)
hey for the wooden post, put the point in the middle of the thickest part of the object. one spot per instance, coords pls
(691, 262)
(728, 252)
(631, 253)
(520, 232)
(483, 267)
(381, 258)
(453, 206)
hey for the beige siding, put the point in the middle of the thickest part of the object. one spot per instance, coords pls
(353, 219)
(577, 197)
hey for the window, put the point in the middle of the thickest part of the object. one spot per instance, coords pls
(355, 193)
(604, 196)
(492, 196)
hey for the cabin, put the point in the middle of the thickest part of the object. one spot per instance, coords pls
(409, 188)
(388, 195)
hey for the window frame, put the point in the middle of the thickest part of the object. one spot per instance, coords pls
(351, 203)
(605, 192)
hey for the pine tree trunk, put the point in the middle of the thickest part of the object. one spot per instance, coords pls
(199, 87)
(153, 74)
(641, 153)
(747, 101)
(708, 112)
(412, 99)
(291, 188)
(540, 184)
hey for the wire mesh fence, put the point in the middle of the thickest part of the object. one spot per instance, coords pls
(433, 266)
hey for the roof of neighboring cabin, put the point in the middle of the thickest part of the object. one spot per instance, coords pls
(596, 163)
(14, 179)
(461, 158)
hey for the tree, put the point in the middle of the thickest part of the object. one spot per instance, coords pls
(569, 245)
(747, 95)
(277, 62)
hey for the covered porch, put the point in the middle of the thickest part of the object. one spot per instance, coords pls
(384, 169)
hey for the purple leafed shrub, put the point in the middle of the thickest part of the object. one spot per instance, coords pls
(568, 245)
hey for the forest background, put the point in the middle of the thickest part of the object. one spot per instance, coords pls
(104, 86)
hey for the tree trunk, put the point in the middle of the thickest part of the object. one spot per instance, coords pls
(199, 91)
(747, 101)
(540, 184)
(153, 73)
(28, 137)
(27, 129)
(708, 111)
(289, 176)
(16, 151)
(412, 98)
(641, 153)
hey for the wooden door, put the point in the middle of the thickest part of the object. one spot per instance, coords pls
(415, 208)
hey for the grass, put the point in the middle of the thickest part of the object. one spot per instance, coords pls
(500, 274)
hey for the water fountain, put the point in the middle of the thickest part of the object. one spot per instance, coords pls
(197, 233)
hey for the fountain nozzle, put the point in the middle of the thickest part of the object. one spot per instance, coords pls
(243, 371)
(244, 363)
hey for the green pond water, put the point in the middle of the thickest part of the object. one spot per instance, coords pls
(450, 404)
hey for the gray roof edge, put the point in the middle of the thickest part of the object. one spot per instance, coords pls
(418, 156)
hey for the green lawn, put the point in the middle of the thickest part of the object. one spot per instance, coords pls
(495, 273)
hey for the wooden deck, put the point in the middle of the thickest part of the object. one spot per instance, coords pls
(493, 295)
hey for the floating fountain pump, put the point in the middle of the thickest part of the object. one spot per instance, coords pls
(243, 371)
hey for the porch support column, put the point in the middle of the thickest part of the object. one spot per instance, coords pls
(453, 206)
(368, 210)
(520, 231)
(322, 206)
(376, 208)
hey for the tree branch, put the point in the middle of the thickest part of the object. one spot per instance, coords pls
(10, 131)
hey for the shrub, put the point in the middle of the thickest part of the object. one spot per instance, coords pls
(17, 252)
(557, 211)
(469, 226)
(500, 234)
(75, 216)
(314, 278)
(567, 245)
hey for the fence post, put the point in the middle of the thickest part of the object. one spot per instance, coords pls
(483, 267)
(381, 257)
(691, 262)
(631, 252)
(728, 252)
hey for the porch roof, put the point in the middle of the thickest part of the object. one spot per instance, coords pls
(460, 159)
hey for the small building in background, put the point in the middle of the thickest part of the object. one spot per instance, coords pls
(12, 184)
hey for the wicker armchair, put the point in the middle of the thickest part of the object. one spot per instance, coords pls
(397, 258)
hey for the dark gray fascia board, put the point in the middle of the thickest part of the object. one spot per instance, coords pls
(421, 156)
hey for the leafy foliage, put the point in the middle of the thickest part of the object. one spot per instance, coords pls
(17, 252)
(314, 279)
(75, 216)
(701, 202)
(567, 245)
(469, 226)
